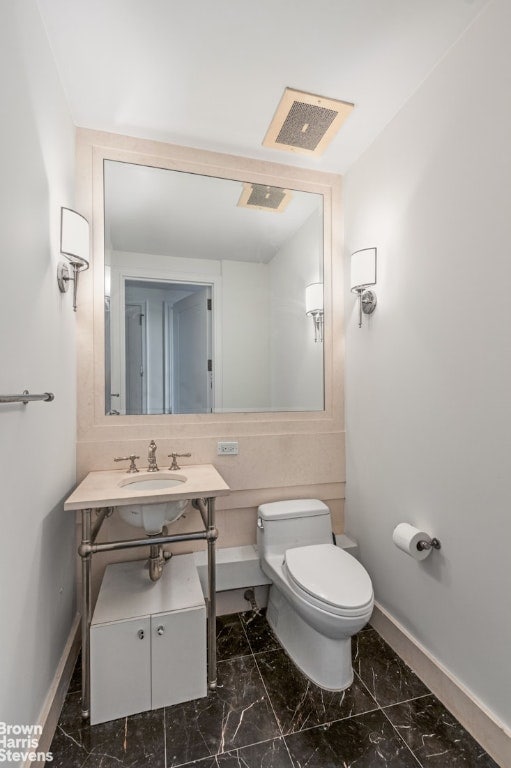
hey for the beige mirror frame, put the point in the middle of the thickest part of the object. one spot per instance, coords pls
(296, 449)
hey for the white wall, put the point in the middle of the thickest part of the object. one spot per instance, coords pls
(37, 350)
(246, 336)
(296, 359)
(428, 387)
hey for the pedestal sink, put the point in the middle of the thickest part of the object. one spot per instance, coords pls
(151, 515)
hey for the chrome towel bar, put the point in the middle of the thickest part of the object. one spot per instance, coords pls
(26, 397)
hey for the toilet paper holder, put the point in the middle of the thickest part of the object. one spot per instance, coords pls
(432, 543)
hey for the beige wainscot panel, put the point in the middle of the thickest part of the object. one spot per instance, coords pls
(263, 461)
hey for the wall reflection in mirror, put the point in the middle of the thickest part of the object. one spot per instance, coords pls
(205, 284)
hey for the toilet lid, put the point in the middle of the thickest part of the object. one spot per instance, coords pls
(331, 575)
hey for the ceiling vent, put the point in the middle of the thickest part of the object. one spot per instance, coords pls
(305, 123)
(264, 198)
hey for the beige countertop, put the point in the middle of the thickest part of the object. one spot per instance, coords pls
(105, 489)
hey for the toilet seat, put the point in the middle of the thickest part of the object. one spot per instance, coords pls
(329, 578)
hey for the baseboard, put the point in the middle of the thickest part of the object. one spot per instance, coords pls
(52, 706)
(492, 734)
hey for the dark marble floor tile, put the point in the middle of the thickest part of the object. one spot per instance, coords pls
(67, 751)
(387, 677)
(237, 713)
(259, 634)
(144, 740)
(435, 736)
(267, 754)
(364, 741)
(230, 637)
(130, 742)
(298, 703)
(206, 762)
(247, 716)
(103, 761)
(192, 730)
(71, 715)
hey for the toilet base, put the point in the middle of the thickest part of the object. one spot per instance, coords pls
(325, 661)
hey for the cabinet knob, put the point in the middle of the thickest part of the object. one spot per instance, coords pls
(140, 633)
(160, 630)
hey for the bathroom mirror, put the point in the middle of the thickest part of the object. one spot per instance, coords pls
(205, 282)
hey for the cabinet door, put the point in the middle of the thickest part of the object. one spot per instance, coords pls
(120, 669)
(178, 656)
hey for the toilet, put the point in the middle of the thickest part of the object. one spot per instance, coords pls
(320, 595)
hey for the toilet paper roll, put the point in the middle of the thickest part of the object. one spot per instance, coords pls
(406, 538)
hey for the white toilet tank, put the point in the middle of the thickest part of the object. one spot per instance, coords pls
(284, 525)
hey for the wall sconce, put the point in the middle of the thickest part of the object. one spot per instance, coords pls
(363, 274)
(314, 308)
(74, 245)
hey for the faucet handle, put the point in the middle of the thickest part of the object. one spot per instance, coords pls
(131, 458)
(174, 456)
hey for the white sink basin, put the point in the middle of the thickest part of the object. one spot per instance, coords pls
(149, 514)
(151, 483)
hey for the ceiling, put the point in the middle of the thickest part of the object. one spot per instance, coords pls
(210, 74)
(162, 212)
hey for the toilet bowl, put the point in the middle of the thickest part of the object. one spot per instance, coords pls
(320, 595)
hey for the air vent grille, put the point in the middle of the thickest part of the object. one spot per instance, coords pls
(305, 123)
(264, 198)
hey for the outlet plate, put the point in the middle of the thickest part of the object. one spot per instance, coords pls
(227, 448)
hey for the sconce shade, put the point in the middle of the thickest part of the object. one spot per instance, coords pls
(74, 237)
(314, 298)
(363, 268)
(74, 245)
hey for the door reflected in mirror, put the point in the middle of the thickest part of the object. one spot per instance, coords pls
(205, 282)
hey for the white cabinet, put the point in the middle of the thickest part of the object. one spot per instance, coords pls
(147, 640)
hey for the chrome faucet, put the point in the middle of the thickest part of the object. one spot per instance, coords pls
(151, 458)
